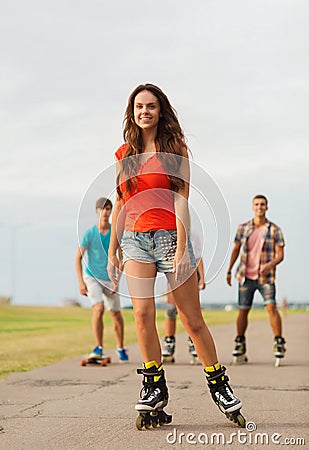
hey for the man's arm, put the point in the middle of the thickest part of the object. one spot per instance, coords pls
(234, 256)
(79, 270)
(266, 268)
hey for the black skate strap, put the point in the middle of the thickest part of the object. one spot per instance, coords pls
(145, 372)
(217, 375)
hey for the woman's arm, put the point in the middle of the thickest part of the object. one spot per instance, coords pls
(200, 269)
(116, 233)
(182, 261)
(117, 228)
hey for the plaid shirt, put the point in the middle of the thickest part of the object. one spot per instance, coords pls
(272, 236)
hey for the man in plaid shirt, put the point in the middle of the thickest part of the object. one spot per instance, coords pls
(262, 245)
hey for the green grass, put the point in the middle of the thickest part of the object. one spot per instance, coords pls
(33, 337)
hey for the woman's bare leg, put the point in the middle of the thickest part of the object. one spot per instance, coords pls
(140, 280)
(187, 300)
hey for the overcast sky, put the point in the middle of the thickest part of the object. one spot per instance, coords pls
(237, 74)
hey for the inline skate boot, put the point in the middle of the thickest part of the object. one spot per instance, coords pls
(279, 350)
(168, 349)
(194, 358)
(222, 394)
(153, 397)
(239, 354)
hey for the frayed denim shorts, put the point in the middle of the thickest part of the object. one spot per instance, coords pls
(155, 246)
(246, 293)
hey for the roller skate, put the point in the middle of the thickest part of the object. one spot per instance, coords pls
(222, 394)
(153, 398)
(168, 350)
(192, 351)
(239, 354)
(279, 350)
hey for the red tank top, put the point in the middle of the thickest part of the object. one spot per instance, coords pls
(150, 204)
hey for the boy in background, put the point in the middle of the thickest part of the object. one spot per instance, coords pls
(95, 283)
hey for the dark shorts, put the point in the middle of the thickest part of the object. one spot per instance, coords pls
(246, 293)
(155, 246)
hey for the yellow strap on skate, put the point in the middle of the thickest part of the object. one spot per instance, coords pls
(148, 365)
(209, 369)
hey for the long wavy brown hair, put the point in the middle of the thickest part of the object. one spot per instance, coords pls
(170, 141)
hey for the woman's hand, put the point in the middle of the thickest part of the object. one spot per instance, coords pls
(201, 285)
(182, 265)
(113, 288)
(113, 269)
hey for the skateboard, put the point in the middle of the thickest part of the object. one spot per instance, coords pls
(101, 361)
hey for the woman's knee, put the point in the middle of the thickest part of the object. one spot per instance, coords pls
(143, 317)
(194, 326)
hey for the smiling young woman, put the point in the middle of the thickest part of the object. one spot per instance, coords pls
(151, 222)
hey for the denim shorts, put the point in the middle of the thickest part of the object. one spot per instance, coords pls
(155, 246)
(246, 293)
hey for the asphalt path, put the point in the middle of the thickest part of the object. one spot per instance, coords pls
(66, 406)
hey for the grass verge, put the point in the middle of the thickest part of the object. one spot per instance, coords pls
(32, 337)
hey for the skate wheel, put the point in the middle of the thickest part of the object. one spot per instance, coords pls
(277, 362)
(140, 423)
(168, 419)
(242, 359)
(103, 363)
(241, 421)
(154, 418)
(237, 418)
(168, 360)
(155, 422)
(164, 418)
(148, 421)
(83, 363)
(195, 361)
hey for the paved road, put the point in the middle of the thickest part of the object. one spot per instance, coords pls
(65, 406)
